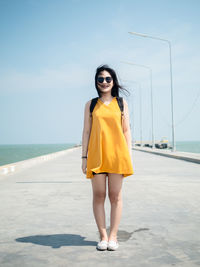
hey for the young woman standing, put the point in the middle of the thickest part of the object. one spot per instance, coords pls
(106, 151)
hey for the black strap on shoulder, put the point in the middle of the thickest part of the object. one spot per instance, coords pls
(121, 106)
(120, 103)
(92, 105)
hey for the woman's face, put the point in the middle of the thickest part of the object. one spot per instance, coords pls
(105, 87)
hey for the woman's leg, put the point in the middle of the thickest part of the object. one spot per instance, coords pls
(99, 195)
(115, 195)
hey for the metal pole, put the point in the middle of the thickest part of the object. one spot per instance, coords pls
(151, 96)
(172, 108)
(140, 93)
(152, 126)
(140, 110)
(172, 103)
(133, 122)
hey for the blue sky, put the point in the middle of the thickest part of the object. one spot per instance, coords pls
(50, 51)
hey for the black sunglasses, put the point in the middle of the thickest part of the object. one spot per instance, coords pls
(101, 79)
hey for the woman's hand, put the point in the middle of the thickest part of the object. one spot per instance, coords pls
(84, 165)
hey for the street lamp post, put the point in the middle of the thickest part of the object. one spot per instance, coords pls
(152, 122)
(140, 110)
(140, 92)
(171, 80)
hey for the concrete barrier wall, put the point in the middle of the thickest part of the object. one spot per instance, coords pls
(13, 167)
(192, 157)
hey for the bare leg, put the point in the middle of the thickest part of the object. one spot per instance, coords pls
(99, 195)
(115, 195)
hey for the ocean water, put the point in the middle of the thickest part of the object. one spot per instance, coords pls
(15, 153)
(188, 146)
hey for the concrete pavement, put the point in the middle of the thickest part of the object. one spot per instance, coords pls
(47, 218)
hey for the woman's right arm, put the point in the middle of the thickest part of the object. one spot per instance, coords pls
(86, 134)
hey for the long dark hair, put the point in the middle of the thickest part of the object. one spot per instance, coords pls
(116, 87)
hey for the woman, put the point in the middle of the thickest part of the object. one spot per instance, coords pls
(106, 151)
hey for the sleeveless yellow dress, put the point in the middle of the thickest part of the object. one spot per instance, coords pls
(107, 148)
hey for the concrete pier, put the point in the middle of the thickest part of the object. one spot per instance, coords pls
(47, 217)
(188, 156)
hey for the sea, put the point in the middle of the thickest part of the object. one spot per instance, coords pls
(14, 153)
(188, 146)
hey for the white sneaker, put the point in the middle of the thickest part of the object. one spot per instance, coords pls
(102, 245)
(113, 245)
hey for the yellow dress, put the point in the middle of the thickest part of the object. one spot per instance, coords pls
(107, 148)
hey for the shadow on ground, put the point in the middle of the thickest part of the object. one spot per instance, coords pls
(60, 240)
(57, 241)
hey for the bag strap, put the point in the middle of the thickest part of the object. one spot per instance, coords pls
(120, 103)
(92, 105)
(121, 106)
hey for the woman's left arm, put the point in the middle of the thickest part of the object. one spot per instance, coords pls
(126, 127)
